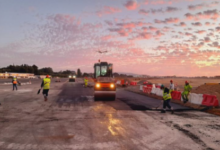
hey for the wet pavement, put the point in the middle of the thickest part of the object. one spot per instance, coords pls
(72, 120)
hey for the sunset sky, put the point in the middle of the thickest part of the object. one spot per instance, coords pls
(152, 37)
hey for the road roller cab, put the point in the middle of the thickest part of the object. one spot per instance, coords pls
(105, 87)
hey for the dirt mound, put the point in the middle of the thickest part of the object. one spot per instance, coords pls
(208, 89)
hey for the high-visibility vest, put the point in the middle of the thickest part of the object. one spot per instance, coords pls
(14, 81)
(187, 89)
(167, 96)
(46, 83)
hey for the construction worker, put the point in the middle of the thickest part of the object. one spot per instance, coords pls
(14, 83)
(46, 86)
(171, 85)
(166, 99)
(187, 89)
(85, 81)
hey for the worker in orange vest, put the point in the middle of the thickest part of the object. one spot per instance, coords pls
(14, 82)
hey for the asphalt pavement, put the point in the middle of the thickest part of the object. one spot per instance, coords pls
(72, 120)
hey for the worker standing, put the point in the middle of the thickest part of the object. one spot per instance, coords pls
(14, 83)
(46, 86)
(85, 81)
(166, 99)
(187, 89)
(171, 85)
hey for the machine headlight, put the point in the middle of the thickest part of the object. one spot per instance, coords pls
(69, 76)
(97, 85)
(74, 76)
(112, 85)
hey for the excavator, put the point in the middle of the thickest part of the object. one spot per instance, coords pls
(105, 86)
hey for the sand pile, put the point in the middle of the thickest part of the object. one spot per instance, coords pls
(208, 89)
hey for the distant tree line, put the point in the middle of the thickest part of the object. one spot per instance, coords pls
(24, 68)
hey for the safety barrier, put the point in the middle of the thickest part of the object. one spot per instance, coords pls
(176, 95)
(149, 85)
(147, 89)
(195, 98)
(153, 91)
(133, 83)
(118, 82)
(210, 100)
(198, 99)
(158, 86)
(145, 83)
(141, 87)
(159, 92)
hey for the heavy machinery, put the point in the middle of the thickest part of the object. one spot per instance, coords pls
(72, 78)
(105, 87)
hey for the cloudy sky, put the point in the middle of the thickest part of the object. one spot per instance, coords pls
(153, 37)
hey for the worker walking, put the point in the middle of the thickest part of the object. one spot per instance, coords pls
(166, 99)
(171, 85)
(14, 83)
(187, 89)
(46, 86)
(85, 81)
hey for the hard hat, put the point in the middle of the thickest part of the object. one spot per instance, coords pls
(186, 82)
(162, 86)
(47, 76)
(171, 80)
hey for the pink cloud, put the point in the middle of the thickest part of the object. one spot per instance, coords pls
(158, 34)
(209, 14)
(188, 34)
(218, 29)
(151, 28)
(143, 35)
(106, 38)
(181, 24)
(144, 29)
(121, 31)
(207, 23)
(110, 23)
(131, 5)
(197, 24)
(196, 7)
(131, 24)
(62, 18)
(201, 31)
(167, 20)
(107, 10)
(161, 2)
(143, 12)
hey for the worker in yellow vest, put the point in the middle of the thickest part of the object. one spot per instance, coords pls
(187, 90)
(85, 81)
(14, 83)
(46, 86)
(166, 99)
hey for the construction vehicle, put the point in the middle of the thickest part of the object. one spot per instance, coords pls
(105, 87)
(72, 78)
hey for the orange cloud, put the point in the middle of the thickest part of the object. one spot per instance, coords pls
(131, 5)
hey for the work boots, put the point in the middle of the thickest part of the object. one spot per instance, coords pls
(45, 99)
